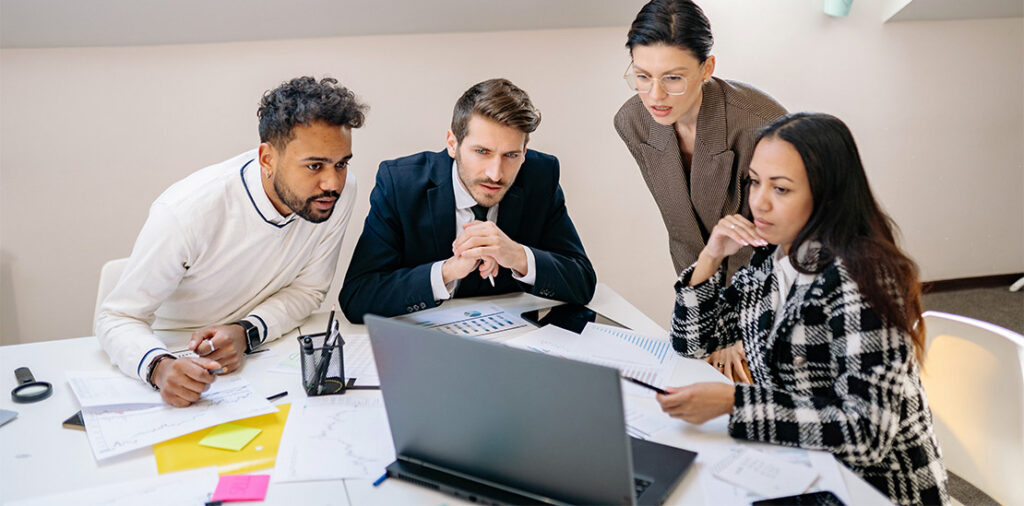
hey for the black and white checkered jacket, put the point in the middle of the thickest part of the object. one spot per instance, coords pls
(832, 376)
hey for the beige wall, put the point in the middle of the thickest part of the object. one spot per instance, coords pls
(89, 137)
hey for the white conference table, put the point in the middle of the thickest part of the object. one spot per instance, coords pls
(40, 457)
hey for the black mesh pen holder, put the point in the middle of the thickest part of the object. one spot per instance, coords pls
(323, 366)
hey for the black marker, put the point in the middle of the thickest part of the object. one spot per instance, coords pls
(277, 396)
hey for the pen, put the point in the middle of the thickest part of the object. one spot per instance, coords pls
(645, 385)
(277, 396)
(381, 479)
(491, 279)
(330, 323)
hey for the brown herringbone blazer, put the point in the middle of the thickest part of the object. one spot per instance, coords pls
(731, 114)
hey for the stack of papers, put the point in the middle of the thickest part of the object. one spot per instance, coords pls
(747, 473)
(122, 415)
(646, 358)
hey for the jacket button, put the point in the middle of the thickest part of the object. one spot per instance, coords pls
(799, 360)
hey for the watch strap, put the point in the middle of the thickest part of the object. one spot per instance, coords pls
(152, 368)
(252, 335)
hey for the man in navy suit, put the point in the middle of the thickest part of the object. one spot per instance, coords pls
(483, 217)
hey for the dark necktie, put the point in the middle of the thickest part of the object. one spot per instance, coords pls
(479, 212)
(471, 284)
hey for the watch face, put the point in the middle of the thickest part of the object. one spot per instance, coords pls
(252, 338)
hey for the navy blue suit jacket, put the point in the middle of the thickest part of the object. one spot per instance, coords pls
(411, 225)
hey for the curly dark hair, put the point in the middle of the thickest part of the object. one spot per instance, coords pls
(302, 101)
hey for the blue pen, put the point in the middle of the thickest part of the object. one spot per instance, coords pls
(381, 479)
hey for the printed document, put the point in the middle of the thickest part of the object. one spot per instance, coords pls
(335, 437)
(114, 431)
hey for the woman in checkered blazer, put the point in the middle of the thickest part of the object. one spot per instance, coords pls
(829, 312)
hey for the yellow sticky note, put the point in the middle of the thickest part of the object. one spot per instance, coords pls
(230, 436)
(184, 452)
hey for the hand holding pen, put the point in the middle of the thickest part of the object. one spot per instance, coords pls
(483, 240)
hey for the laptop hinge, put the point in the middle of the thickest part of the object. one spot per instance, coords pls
(488, 483)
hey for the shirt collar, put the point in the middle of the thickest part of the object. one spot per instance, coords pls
(251, 175)
(788, 274)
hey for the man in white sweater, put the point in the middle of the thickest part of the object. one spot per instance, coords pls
(241, 251)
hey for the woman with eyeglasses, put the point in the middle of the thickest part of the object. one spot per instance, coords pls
(692, 134)
(829, 310)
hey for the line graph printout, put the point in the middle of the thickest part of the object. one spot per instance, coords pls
(334, 437)
(115, 431)
(478, 320)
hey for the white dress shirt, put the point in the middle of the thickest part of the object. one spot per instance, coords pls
(464, 203)
(786, 276)
(214, 250)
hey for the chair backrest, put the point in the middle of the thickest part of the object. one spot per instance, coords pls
(974, 377)
(110, 274)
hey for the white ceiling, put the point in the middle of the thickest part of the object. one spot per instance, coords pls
(71, 23)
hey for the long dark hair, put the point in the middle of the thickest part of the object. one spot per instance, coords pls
(679, 23)
(848, 222)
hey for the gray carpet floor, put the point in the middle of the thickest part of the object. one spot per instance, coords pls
(994, 305)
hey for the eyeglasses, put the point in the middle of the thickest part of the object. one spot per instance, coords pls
(641, 83)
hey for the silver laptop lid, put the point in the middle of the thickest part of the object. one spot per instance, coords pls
(532, 422)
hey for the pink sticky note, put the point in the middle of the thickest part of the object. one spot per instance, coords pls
(241, 487)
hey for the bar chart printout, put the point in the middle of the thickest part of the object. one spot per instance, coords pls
(646, 358)
(479, 320)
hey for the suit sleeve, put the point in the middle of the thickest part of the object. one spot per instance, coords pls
(376, 283)
(563, 270)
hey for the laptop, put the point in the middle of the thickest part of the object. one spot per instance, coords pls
(498, 425)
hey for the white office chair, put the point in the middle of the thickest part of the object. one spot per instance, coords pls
(110, 274)
(974, 377)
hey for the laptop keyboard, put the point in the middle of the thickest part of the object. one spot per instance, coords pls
(640, 485)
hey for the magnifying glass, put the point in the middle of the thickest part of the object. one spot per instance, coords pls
(28, 389)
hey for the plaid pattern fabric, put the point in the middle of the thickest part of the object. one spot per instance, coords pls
(830, 376)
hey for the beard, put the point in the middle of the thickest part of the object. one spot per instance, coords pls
(471, 185)
(304, 208)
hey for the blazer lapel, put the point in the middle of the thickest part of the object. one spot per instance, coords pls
(663, 169)
(712, 167)
(441, 199)
(510, 212)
